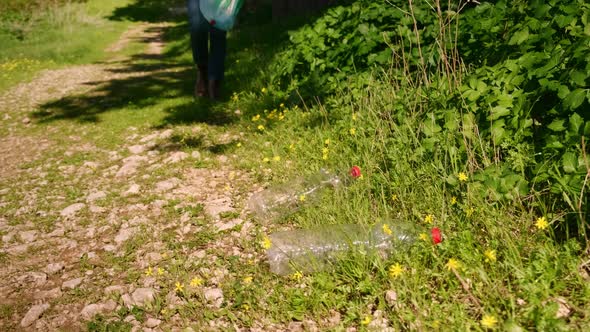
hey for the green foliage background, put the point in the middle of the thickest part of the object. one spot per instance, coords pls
(501, 87)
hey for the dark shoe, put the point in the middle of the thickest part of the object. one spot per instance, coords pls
(214, 89)
(201, 84)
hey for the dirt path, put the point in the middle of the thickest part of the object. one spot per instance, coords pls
(102, 234)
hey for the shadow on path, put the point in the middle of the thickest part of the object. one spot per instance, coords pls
(165, 78)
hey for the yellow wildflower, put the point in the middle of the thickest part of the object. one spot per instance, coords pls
(394, 197)
(453, 264)
(366, 320)
(453, 200)
(423, 236)
(255, 117)
(276, 158)
(327, 141)
(297, 275)
(489, 321)
(239, 145)
(266, 243)
(462, 176)
(542, 223)
(282, 105)
(386, 229)
(196, 282)
(395, 271)
(429, 219)
(245, 307)
(302, 198)
(354, 116)
(178, 287)
(490, 255)
(325, 150)
(149, 271)
(160, 271)
(265, 160)
(260, 127)
(352, 131)
(247, 280)
(263, 90)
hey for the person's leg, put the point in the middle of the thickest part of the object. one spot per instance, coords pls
(216, 61)
(199, 30)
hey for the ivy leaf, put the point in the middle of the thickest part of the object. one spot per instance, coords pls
(575, 123)
(498, 112)
(519, 37)
(498, 130)
(557, 125)
(579, 77)
(569, 162)
(575, 98)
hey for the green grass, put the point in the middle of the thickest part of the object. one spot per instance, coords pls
(530, 276)
(51, 36)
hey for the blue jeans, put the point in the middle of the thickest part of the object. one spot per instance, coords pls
(201, 31)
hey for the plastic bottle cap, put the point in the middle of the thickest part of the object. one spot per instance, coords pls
(355, 171)
(436, 235)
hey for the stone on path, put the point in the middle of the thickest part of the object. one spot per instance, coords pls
(133, 190)
(115, 289)
(33, 314)
(54, 268)
(137, 149)
(36, 279)
(72, 209)
(167, 184)
(125, 234)
(214, 296)
(28, 236)
(96, 196)
(93, 309)
(130, 165)
(217, 206)
(143, 296)
(152, 322)
(71, 284)
(176, 157)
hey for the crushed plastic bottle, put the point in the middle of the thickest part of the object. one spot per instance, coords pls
(287, 197)
(311, 250)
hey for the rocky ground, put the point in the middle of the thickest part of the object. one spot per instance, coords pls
(91, 232)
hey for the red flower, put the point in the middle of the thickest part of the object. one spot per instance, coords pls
(436, 235)
(212, 22)
(355, 171)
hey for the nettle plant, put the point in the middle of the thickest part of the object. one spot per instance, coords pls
(530, 94)
(501, 87)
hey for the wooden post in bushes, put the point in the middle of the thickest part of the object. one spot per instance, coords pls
(285, 8)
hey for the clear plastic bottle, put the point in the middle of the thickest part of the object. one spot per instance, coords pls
(287, 197)
(310, 250)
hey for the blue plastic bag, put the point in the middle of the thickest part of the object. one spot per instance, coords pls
(221, 13)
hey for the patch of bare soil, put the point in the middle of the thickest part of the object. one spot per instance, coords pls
(61, 261)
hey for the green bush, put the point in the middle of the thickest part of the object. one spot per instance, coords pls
(502, 88)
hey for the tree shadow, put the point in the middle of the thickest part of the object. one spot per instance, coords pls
(166, 80)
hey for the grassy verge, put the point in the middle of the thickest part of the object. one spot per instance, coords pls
(49, 36)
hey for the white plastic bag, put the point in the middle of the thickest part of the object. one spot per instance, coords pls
(221, 13)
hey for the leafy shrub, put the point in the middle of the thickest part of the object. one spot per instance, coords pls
(513, 107)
